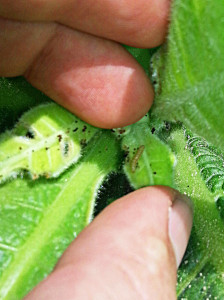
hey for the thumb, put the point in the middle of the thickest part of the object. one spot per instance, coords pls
(130, 251)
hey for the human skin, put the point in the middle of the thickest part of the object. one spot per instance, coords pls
(70, 50)
(88, 73)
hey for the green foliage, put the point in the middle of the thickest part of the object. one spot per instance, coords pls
(209, 160)
(38, 219)
(207, 242)
(148, 160)
(188, 70)
(45, 142)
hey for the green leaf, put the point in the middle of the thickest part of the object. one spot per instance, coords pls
(197, 278)
(209, 160)
(189, 70)
(38, 219)
(205, 254)
(148, 160)
(45, 142)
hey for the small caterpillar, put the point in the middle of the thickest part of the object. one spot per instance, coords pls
(136, 157)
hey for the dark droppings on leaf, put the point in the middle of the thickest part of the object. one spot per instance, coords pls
(121, 131)
(126, 153)
(154, 173)
(83, 142)
(74, 130)
(167, 126)
(20, 148)
(59, 137)
(126, 148)
(47, 148)
(84, 128)
(30, 134)
(153, 130)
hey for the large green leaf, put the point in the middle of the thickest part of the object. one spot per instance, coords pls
(189, 69)
(45, 141)
(38, 219)
(201, 273)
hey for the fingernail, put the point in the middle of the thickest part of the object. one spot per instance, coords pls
(180, 224)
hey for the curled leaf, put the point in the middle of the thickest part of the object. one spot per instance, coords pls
(148, 160)
(46, 141)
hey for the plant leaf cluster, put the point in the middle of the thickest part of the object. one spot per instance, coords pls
(57, 171)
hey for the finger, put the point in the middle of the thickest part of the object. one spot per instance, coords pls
(20, 43)
(96, 79)
(139, 23)
(125, 253)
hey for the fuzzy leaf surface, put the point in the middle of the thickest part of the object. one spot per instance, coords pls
(201, 273)
(189, 69)
(38, 222)
(148, 160)
(46, 141)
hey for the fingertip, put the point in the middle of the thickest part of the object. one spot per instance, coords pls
(96, 79)
(124, 99)
(125, 251)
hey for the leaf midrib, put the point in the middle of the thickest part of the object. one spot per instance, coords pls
(25, 254)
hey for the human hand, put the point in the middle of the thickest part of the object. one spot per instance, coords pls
(130, 251)
(126, 252)
(91, 76)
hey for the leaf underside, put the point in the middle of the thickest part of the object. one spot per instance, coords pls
(45, 142)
